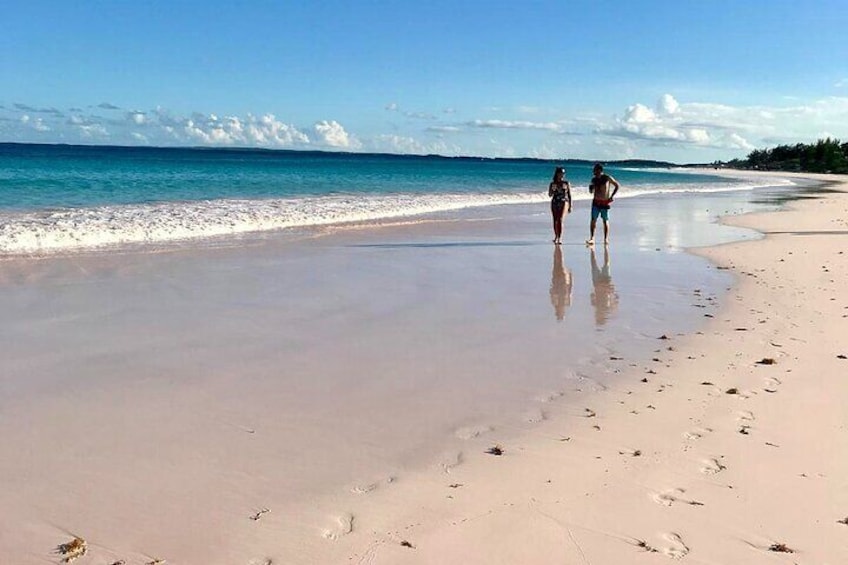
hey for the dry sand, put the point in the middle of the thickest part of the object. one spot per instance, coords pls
(730, 446)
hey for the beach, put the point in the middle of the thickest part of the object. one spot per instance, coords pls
(450, 391)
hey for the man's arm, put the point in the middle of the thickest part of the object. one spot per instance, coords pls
(615, 187)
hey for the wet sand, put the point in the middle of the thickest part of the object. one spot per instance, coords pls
(350, 384)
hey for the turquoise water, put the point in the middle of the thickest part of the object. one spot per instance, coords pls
(61, 198)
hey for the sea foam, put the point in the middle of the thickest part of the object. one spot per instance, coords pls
(71, 229)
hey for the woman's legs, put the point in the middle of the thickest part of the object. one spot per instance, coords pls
(557, 211)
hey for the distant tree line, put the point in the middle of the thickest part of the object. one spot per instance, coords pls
(824, 156)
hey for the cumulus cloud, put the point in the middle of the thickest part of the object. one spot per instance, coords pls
(735, 141)
(444, 129)
(93, 131)
(35, 123)
(720, 126)
(392, 107)
(107, 106)
(231, 130)
(694, 124)
(136, 117)
(668, 105)
(332, 134)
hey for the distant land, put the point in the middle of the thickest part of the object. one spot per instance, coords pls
(636, 163)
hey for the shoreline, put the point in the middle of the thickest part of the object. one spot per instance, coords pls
(486, 518)
(731, 448)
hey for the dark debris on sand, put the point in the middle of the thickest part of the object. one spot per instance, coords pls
(767, 361)
(496, 450)
(780, 548)
(642, 544)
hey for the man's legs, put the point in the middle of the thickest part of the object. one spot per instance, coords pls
(592, 224)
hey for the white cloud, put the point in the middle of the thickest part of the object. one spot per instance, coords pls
(697, 135)
(141, 138)
(35, 123)
(332, 134)
(668, 105)
(93, 131)
(389, 143)
(842, 83)
(265, 131)
(392, 107)
(514, 124)
(719, 125)
(137, 118)
(638, 114)
(736, 141)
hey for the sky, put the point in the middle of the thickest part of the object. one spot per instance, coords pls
(680, 81)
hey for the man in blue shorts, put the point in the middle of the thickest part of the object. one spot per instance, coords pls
(599, 186)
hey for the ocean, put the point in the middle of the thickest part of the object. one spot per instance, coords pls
(61, 198)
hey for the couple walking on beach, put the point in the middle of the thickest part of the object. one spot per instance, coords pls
(603, 188)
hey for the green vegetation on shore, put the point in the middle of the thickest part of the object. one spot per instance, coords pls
(824, 156)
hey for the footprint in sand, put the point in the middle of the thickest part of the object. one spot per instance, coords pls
(745, 416)
(534, 416)
(676, 548)
(344, 526)
(589, 383)
(549, 397)
(451, 461)
(712, 466)
(364, 488)
(670, 496)
(771, 384)
(471, 432)
(697, 433)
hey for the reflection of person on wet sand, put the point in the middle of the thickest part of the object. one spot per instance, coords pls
(604, 297)
(560, 285)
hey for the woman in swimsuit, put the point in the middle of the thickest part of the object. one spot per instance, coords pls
(560, 192)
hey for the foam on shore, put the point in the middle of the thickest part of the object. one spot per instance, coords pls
(104, 227)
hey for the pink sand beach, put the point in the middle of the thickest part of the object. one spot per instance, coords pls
(450, 392)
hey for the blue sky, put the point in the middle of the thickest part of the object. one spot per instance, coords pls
(672, 80)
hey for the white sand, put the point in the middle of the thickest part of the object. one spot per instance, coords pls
(111, 445)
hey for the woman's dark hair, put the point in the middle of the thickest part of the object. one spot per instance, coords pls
(558, 170)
